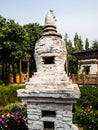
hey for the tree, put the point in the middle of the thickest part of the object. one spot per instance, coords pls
(13, 38)
(13, 43)
(78, 43)
(86, 44)
(17, 42)
(71, 63)
(95, 44)
(34, 32)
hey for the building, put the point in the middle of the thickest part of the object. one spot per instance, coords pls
(87, 61)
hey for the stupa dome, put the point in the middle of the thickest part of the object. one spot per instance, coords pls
(50, 51)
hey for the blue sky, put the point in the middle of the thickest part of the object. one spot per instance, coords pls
(72, 16)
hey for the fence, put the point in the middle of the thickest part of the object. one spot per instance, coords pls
(19, 78)
(91, 79)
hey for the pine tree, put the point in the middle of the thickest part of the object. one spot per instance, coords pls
(86, 44)
(78, 43)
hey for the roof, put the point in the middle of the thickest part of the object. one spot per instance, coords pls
(86, 54)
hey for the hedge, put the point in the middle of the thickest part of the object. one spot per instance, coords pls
(85, 111)
(8, 95)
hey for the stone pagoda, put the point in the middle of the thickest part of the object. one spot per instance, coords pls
(50, 94)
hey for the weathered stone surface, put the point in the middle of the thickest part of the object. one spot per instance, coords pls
(50, 89)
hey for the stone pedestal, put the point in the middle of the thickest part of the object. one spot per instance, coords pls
(51, 110)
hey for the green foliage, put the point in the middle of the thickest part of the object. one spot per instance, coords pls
(89, 96)
(78, 43)
(86, 69)
(34, 32)
(68, 45)
(86, 117)
(17, 42)
(71, 63)
(8, 95)
(8, 107)
(86, 44)
(13, 40)
(85, 112)
(1, 83)
(95, 44)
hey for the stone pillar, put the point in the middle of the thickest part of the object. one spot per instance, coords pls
(49, 110)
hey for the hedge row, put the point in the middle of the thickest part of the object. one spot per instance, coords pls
(89, 96)
(85, 111)
(8, 95)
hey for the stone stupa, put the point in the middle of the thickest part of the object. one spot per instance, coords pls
(50, 94)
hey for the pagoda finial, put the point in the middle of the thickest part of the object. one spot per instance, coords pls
(50, 19)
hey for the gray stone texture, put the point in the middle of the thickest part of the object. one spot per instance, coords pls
(50, 89)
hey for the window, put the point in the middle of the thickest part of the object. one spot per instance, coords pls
(48, 60)
(46, 113)
(48, 125)
(86, 69)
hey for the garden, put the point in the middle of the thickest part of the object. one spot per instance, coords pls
(85, 111)
(13, 114)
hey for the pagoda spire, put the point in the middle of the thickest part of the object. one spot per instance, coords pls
(50, 26)
(49, 19)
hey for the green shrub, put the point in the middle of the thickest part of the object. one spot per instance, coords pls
(85, 111)
(8, 107)
(8, 95)
(89, 96)
(86, 117)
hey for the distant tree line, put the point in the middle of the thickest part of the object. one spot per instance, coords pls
(76, 46)
(18, 42)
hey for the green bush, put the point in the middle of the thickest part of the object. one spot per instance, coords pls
(86, 117)
(89, 96)
(8, 107)
(8, 95)
(85, 111)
